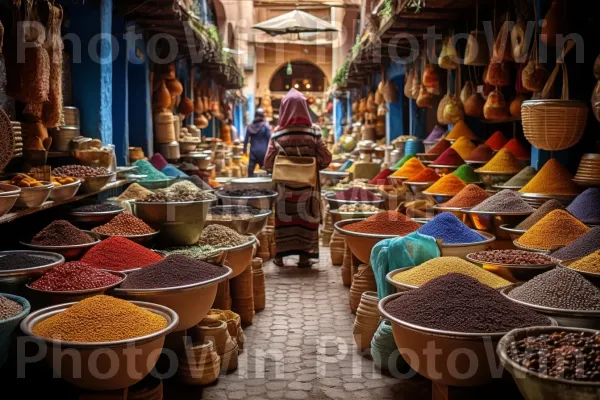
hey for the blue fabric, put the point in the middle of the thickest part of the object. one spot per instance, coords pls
(400, 252)
(347, 164)
(170, 170)
(259, 142)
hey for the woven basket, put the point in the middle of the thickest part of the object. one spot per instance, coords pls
(554, 124)
(164, 128)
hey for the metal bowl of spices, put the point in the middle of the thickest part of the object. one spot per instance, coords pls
(11, 280)
(145, 240)
(418, 187)
(543, 251)
(491, 221)
(49, 297)
(262, 202)
(512, 232)
(335, 203)
(457, 211)
(155, 213)
(360, 243)
(337, 215)
(157, 184)
(462, 249)
(491, 179)
(536, 386)
(251, 222)
(70, 252)
(76, 370)
(332, 176)
(66, 191)
(536, 200)
(438, 198)
(239, 257)
(443, 170)
(564, 317)
(94, 217)
(503, 187)
(593, 277)
(515, 272)
(94, 184)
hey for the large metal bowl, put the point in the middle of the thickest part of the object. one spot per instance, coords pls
(535, 386)
(81, 370)
(491, 179)
(458, 213)
(146, 239)
(95, 183)
(513, 272)
(437, 198)
(593, 277)
(332, 176)
(491, 221)
(9, 326)
(33, 197)
(190, 302)
(337, 215)
(68, 252)
(44, 298)
(94, 217)
(66, 191)
(413, 341)
(521, 247)
(181, 233)
(572, 318)
(7, 202)
(536, 200)
(512, 232)
(252, 225)
(417, 187)
(13, 281)
(252, 183)
(239, 257)
(360, 244)
(156, 214)
(264, 202)
(334, 203)
(462, 249)
(158, 184)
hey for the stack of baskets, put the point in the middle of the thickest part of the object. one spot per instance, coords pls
(17, 139)
(223, 298)
(242, 296)
(258, 282)
(264, 248)
(199, 364)
(234, 324)
(225, 346)
(346, 269)
(327, 230)
(367, 320)
(338, 247)
(363, 281)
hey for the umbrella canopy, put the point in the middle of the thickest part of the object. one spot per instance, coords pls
(294, 22)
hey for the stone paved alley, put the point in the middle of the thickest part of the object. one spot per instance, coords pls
(295, 339)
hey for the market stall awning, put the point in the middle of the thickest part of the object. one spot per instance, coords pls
(294, 22)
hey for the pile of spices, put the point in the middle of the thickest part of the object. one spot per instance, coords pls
(102, 207)
(427, 175)
(449, 184)
(496, 141)
(74, 275)
(586, 244)
(172, 271)
(436, 133)
(512, 257)
(450, 230)
(135, 191)
(449, 157)
(100, 319)
(200, 183)
(469, 197)
(459, 303)
(402, 161)
(440, 147)
(410, 168)
(467, 174)
(198, 252)
(178, 195)
(158, 161)
(14, 261)
(463, 147)
(80, 171)
(558, 228)
(9, 308)
(503, 161)
(220, 236)
(385, 223)
(381, 178)
(144, 167)
(552, 178)
(183, 185)
(505, 201)
(61, 233)
(482, 153)
(522, 178)
(356, 194)
(586, 206)
(124, 224)
(515, 147)
(359, 207)
(589, 263)
(172, 171)
(119, 254)
(572, 356)
(247, 192)
(559, 288)
(441, 266)
(235, 210)
(461, 129)
(540, 213)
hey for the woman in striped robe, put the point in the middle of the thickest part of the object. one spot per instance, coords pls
(298, 211)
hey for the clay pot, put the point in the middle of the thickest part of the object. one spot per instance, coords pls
(162, 97)
(199, 364)
(363, 281)
(258, 285)
(186, 107)
(363, 334)
(346, 269)
(241, 285)
(175, 87)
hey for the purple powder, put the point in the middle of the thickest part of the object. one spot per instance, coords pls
(585, 206)
(450, 230)
(436, 134)
(585, 245)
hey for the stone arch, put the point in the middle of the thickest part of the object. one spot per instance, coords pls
(318, 76)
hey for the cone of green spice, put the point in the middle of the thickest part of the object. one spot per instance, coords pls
(467, 174)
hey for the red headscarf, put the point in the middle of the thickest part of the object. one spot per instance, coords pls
(293, 111)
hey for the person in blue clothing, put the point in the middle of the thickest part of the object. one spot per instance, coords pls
(258, 134)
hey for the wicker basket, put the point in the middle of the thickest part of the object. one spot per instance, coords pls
(555, 124)
(70, 116)
(61, 139)
(164, 128)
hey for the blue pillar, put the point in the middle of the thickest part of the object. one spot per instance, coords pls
(349, 110)
(338, 118)
(120, 101)
(395, 114)
(106, 53)
(417, 120)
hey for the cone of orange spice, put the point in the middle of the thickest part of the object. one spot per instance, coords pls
(410, 168)
(504, 162)
(448, 185)
(552, 179)
(385, 223)
(558, 228)
(427, 175)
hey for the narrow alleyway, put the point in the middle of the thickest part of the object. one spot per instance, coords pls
(301, 346)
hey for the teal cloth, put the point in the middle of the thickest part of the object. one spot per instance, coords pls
(400, 252)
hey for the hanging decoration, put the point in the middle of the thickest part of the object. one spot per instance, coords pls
(495, 108)
(554, 22)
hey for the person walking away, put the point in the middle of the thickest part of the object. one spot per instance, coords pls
(258, 135)
(298, 209)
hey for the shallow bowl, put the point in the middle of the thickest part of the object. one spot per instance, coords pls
(239, 257)
(337, 215)
(145, 239)
(491, 179)
(397, 181)
(191, 302)
(252, 183)
(11, 281)
(427, 156)
(513, 272)
(9, 326)
(94, 217)
(33, 197)
(417, 187)
(512, 232)
(65, 192)
(332, 176)
(264, 202)
(536, 200)
(492, 221)
(360, 244)
(76, 370)
(95, 183)
(438, 198)
(68, 252)
(462, 249)
(159, 213)
(159, 184)
(543, 251)
(443, 170)
(252, 225)
(9, 190)
(180, 233)
(7, 202)
(458, 212)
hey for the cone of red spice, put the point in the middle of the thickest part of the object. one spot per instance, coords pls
(427, 175)
(381, 178)
(440, 147)
(469, 197)
(449, 157)
(119, 254)
(496, 141)
(385, 223)
(515, 147)
(482, 153)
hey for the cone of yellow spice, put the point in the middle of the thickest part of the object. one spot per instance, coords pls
(447, 185)
(461, 129)
(100, 319)
(503, 162)
(589, 263)
(557, 229)
(463, 146)
(411, 168)
(552, 179)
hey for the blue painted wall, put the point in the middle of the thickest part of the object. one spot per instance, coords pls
(395, 116)
(120, 98)
(338, 118)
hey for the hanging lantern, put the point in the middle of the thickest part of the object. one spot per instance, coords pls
(289, 69)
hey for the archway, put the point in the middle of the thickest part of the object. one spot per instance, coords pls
(305, 76)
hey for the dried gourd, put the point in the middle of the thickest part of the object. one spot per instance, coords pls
(596, 101)
(474, 106)
(453, 110)
(408, 81)
(503, 45)
(498, 74)
(390, 92)
(466, 92)
(495, 108)
(518, 41)
(440, 110)
(448, 57)
(534, 76)
(431, 79)
(555, 23)
(425, 99)
(515, 105)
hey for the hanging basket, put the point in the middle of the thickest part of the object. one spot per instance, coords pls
(554, 124)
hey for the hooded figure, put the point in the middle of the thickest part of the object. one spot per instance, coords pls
(258, 135)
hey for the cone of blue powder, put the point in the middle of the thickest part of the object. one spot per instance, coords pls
(450, 230)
